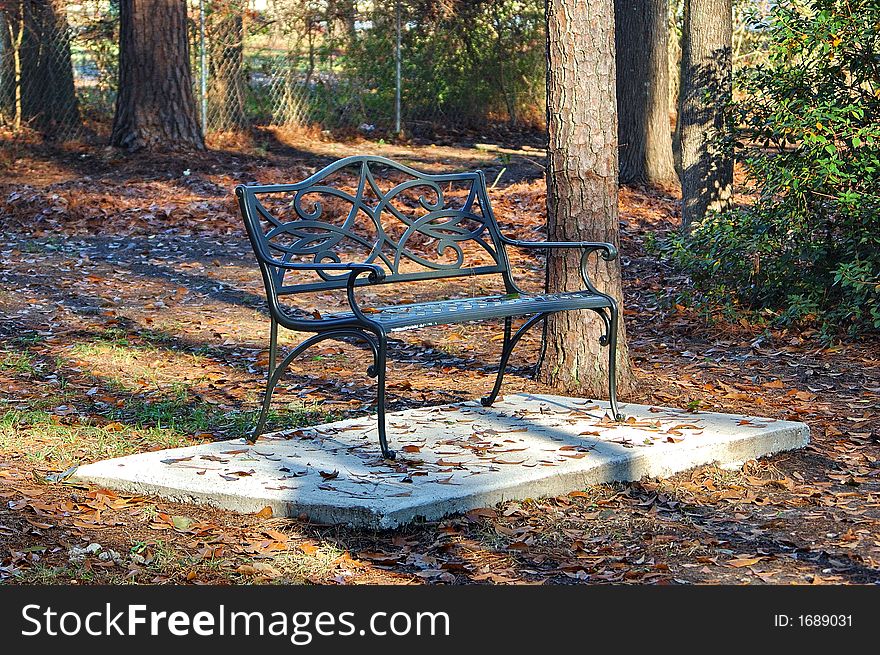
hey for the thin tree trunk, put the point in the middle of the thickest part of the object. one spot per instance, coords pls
(227, 92)
(48, 96)
(706, 83)
(581, 188)
(13, 24)
(644, 131)
(155, 107)
(345, 13)
(16, 71)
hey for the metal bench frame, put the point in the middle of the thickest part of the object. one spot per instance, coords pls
(317, 239)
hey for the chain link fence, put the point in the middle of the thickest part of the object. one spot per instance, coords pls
(334, 63)
(327, 63)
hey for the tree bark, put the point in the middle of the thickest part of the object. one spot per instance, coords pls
(155, 107)
(706, 166)
(344, 12)
(227, 91)
(644, 132)
(581, 189)
(38, 67)
(11, 33)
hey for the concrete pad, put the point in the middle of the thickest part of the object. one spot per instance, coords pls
(451, 459)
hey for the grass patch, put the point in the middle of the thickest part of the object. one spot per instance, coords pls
(140, 425)
(45, 574)
(18, 362)
(131, 367)
(30, 339)
(43, 437)
(299, 567)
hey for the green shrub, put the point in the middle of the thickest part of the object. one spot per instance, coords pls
(809, 247)
(465, 64)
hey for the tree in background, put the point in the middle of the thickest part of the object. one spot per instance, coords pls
(155, 108)
(581, 188)
(465, 63)
(807, 251)
(706, 152)
(644, 132)
(227, 91)
(37, 74)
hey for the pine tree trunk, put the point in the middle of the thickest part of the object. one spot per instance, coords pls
(38, 75)
(644, 132)
(9, 58)
(581, 189)
(227, 91)
(155, 107)
(49, 101)
(706, 83)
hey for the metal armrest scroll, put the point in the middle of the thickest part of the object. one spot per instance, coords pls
(375, 275)
(607, 250)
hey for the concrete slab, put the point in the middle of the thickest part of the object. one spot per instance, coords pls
(452, 458)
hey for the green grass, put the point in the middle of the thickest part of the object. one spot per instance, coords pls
(45, 574)
(137, 426)
(43, 439)
(21, 362)
(168, 415)
(31, 339)
(112, 336)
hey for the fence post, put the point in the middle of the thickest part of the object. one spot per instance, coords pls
(202, 68)
(397, 81)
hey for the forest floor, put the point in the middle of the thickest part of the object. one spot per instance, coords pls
(132, 318)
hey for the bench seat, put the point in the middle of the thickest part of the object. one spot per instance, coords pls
(465, 310)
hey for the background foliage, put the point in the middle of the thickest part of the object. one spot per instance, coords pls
(327, 63)
(808, 249)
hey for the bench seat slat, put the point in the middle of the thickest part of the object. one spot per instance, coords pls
(464, 310)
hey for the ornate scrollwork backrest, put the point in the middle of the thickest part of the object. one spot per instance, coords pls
(372, 210)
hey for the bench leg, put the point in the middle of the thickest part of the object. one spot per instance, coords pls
(378, 370)
(273, 346)
(276, 371)
(505, 355)
(267, 395)
(612, 361)
(509, 344)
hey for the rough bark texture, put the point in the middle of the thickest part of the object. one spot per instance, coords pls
(227, 91)
(155, 108)
(644, 131)
(581, 188)
(706, 165)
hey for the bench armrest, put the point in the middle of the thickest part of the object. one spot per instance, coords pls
(375, 275)
(609, 252)
(375, 272)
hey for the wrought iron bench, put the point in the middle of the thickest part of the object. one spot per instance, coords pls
(365, 221)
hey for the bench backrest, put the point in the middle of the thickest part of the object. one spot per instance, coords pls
(368, 209)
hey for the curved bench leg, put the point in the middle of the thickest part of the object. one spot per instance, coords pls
(378, 369)
(509, 344)
(612, 361)
(273, 346)
(275, 372)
